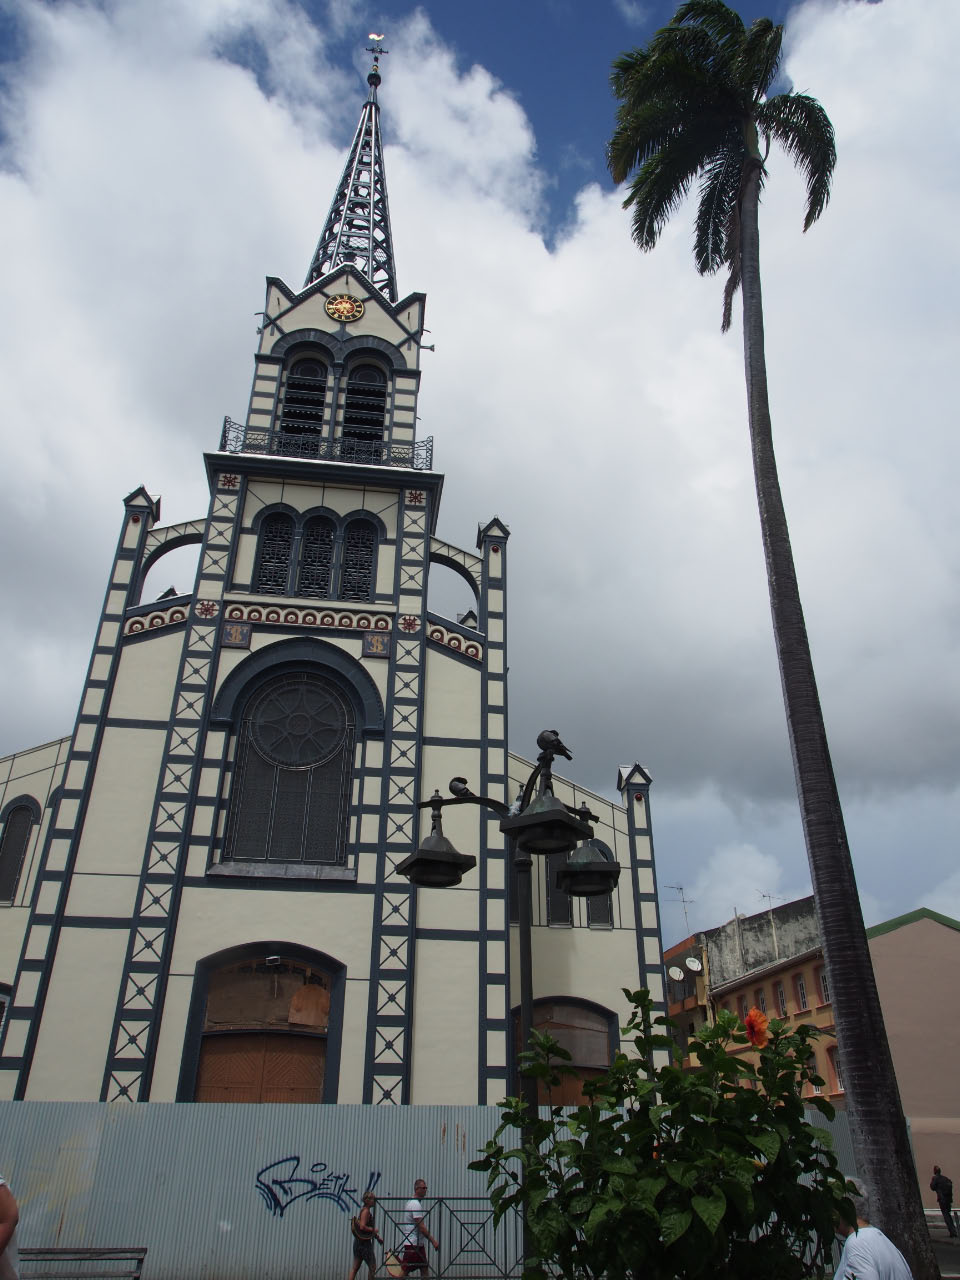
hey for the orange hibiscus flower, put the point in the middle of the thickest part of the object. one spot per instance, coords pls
(756, 1025)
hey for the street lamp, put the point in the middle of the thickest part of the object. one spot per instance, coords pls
(536, 824)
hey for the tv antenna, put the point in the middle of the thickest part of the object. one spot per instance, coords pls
(684, 900)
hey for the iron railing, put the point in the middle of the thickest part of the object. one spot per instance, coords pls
(238, 438)
(470, 1248)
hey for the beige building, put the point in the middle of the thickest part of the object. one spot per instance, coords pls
(199, 894)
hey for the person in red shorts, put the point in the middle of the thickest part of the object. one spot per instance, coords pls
(413, 1255)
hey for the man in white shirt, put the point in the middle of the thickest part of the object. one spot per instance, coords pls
(415, 1230)
(9, 1216)
(867, 1253)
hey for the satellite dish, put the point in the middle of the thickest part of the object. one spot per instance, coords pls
(676, 973)
(693, 964)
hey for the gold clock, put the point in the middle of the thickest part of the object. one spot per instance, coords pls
(344, 306)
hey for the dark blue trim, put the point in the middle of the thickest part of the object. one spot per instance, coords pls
(294, 654)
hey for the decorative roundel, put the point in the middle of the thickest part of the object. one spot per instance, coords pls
(298, 722)
(344, 306)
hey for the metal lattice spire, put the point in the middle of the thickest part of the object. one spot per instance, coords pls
(357, 229)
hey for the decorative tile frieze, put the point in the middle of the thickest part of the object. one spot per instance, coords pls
(155, 619)
(327, 619)
(453, 640)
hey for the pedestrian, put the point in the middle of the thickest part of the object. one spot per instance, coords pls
(867, 1253)
(9, 1216)
(413, 1225)
(364, 1233)
(943, 1187)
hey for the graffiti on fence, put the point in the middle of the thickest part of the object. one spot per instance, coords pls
(282, 1183)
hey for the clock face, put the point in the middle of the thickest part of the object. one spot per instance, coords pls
(343, 306)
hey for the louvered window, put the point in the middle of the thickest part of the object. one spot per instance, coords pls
(364, 414)
(301, 417)
(13, 848)
(273, 556)
(292, 779)
(559, 904)
(316, 559)
(359, 561)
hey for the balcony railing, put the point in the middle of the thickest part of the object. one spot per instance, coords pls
(237, 438)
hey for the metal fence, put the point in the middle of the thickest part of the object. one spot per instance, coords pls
(258, 1192)
(236, 437)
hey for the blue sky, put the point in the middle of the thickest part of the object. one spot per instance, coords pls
(579, 390)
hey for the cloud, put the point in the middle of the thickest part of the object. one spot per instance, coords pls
(632, 12)
(160, 160)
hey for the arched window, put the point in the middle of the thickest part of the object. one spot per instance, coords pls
(18, 819)
(291, 788)
(316, 558)
(357, 571)
(364, 413)
(301, 414)
(585, 1031)
(265, 1022)
(273, 555)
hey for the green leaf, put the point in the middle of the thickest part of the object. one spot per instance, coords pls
(618, 1164)
(710, 1209)
(684, 1175)
(673, 1224)
(766, 1143)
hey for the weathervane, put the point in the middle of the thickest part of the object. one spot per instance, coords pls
(373, 79)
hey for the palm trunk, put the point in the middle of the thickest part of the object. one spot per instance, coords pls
(882, 1148)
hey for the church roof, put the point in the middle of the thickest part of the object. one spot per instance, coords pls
(357, 229)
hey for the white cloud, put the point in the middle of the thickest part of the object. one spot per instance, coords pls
(584, 394)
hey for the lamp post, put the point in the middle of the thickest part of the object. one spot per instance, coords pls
(537, 824)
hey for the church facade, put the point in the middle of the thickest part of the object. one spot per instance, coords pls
(199, 895)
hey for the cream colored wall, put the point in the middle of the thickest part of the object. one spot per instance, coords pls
(35, 772)
(78, 1016)
(452, 701)
(446, 1029)
(377, 320)
(146, 676)
(214, 919)
(121, 802)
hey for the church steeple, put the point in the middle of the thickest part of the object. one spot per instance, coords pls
(357, 229)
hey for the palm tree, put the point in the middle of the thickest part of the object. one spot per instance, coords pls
(694, 107)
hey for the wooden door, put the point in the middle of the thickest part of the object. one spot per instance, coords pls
(261, 1067)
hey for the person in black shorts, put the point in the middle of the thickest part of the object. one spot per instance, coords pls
(364, 1234)
(415, 1231)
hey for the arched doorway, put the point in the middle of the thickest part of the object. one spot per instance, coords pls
(586, 1031)
(263, 1025)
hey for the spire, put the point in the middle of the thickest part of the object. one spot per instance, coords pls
(357, 230)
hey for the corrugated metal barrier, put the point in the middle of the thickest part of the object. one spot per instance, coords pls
(255, 1192)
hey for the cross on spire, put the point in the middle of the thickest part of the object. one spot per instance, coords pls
(357, 229)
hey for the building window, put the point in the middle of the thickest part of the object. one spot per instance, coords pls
(800, 991)
(781, 997)
(316, 558)
(760, 999)
(4, 1006)
(824, 984)
(301, 414)
(264, 1029)
(584, 1032)
(274, 554)
(742, 1008)
(359, 561)
(364, 414)
(833, 1057)
(559, 904)
(816, 1084)
(18, 819)
(293, 768)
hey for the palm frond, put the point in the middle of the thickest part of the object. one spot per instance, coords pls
(758, 58)
(719, 190)
(640, 133)
(661, 185)
(722, 23)
(802, 127)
